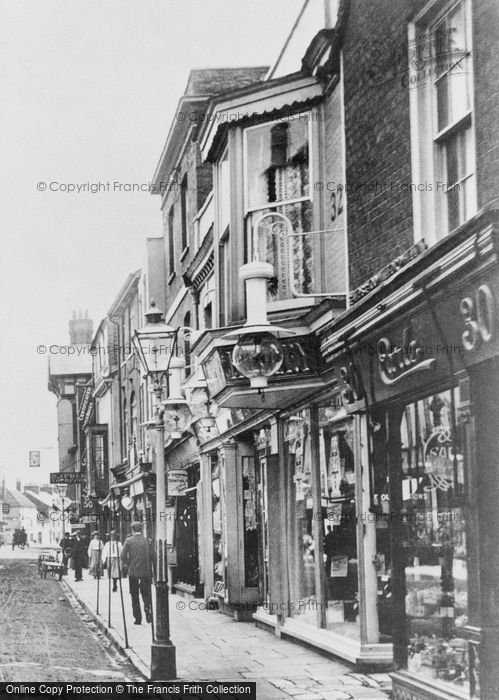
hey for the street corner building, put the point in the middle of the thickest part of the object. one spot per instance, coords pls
(329, 381)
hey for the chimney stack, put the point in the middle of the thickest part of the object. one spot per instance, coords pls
(81, 328)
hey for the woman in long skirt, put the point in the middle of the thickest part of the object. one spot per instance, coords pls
(95, 549)
(110, 556)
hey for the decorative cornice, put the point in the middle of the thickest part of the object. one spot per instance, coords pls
(473, 245)
(387, 271)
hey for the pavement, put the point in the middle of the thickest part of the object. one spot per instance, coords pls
(213, 646)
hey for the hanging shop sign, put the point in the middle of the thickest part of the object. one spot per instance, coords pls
(68, 477)
(34, 459)
(127, 502)
(301, 356)
(178, 482)
(85, 405)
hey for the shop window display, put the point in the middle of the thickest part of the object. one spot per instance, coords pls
(434, 538)
(339, 518)
(302, 570)
(250, 522)
(218, 542)
(380, 509)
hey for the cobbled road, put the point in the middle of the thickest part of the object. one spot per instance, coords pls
(45, 636)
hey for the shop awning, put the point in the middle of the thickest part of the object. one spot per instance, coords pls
(135, 483)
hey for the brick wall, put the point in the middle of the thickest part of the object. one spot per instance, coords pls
(486, 71)
(380, 223)
(377, 134)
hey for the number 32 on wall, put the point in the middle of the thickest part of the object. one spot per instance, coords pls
(478, 312)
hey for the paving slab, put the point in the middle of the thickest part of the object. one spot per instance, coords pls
(213, 646)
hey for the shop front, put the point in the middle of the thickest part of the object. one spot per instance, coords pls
(424, 373)
(227, 494)
(320, 573)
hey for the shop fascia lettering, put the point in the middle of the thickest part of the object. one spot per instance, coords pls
(398, 361)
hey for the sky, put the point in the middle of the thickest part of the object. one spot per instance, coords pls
(89, 89)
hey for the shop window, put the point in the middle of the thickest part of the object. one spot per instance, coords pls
(441, 92)
(219, 563)
(304, 599)
(339, 518)
(277, 179)
(434, 539)
(250, 523)
(187, 569)
(380, 509)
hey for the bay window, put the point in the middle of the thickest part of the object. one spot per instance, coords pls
(277, 179)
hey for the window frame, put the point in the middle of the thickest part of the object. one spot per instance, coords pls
(428, 155)
(170, 228)
(184, 215)
(275, 205)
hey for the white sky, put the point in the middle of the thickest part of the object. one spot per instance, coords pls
(88, 90)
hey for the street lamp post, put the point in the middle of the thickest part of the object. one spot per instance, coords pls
(62, 490)
(163, 662)
(155, 344)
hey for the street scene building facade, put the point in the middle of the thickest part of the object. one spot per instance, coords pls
(327, 278)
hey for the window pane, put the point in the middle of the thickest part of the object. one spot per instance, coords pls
(277, 162)
(452, 67)
(277, 245)
(435, 541)
(304, 601)
(442, 103)
(452, 158)
(340, 537)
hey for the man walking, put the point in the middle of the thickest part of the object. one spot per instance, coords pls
(65, 545)
(78, 555)
(137, 556)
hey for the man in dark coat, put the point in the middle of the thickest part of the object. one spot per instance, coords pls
(137, 557)
(79, 555)
(65, 544)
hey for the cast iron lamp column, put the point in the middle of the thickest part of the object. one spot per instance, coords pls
(163, 661)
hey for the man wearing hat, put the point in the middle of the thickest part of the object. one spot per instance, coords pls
(78, 550)
(137, 556)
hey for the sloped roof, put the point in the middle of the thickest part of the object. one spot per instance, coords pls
(16, 499)
(43, 501)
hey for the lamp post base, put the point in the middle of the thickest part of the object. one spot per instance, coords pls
(163, 662)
